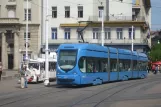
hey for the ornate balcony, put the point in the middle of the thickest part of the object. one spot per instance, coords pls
(9, 20)
(116, 18)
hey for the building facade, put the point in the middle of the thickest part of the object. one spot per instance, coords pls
(119, 17)
(13, 15)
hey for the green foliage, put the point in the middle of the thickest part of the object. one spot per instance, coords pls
(155, 53)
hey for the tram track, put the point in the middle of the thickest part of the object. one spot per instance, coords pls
(30, 97)
(49, 91)
(97, 104)
(143, 97)
(114, 93)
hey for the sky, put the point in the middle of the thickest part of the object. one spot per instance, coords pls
(156, 14)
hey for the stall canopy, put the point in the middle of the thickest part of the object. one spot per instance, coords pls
(157, 63)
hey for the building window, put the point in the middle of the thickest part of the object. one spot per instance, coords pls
(54, 12)
(54, 33)
(79, 33)
(130, 32)
(107, 33)
(11, 45)
(11, 11)
(9, 34)
(100, 9)
(119, 33)
(67, 11)
(29, 14)
(96, 33)
(67, 33)
(80, 11)
(28, 35)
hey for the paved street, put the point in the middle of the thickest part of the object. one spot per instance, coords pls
(133, 93)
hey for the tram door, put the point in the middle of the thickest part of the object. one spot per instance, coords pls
(114, 74)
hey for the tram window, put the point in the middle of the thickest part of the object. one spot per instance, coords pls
(124, 65)
(145, 66)
(90, 65)
(142, 66)
(33, 65)
(42, 66)
(135, 68)
(67, 59)
(82, 64)
(113, 65)
(104, 65)
(52, 66)
(96, 65)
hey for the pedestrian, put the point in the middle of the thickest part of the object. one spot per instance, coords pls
(153, 69)
(0, 70)
(156, 69)
(24, 80)
(147, 69)
(22, 72)
(25, 77)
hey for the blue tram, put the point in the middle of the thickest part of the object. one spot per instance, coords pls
(79, 64)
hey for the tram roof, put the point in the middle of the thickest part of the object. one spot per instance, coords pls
(93, 47)
(124, 51)
(83, 46)
(99, 48)
(142, 55)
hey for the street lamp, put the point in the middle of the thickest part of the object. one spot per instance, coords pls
(46, 82)
(102, 27)
(132, 37)
(26, 43)
(102, 32)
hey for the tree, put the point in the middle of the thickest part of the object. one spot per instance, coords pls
(155, 53)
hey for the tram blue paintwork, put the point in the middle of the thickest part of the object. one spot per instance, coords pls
(76, 77)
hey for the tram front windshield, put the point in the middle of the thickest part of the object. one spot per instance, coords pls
(67, 59)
